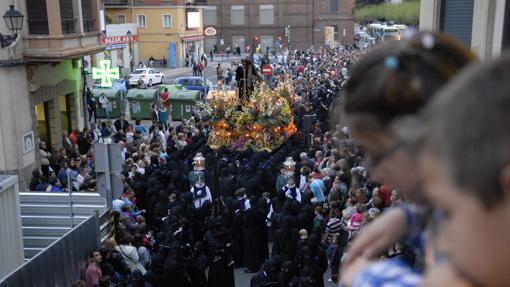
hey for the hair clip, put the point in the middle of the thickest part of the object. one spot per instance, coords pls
(391, 63)
(428, 41)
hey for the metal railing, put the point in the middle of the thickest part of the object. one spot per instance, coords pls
(116, 2)
(88, 24)
(47, 216)
(38, 26)
(65, 259)
(68, 26)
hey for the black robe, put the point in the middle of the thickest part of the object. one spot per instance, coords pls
(316, 260)
(238, 239)
(220, 274)
(251, 245)
(285, 243)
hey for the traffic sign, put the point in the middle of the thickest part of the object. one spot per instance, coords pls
(267, 70)
(277, 43)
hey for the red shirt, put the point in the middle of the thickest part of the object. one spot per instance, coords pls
(92, 275)
(385, 195)
(164, 97)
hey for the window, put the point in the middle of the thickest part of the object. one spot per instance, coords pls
(457, 19)
(37, 17)
(167, 21)
(210, 15)
(266, 14)
(67, 16)
(333, 5)
(193, 19)
(121, 19)
(506, 28)
(87, 15)
(141, 21)
(237, 15)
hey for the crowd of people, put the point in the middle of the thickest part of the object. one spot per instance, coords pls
(187, 209)
(436, 192)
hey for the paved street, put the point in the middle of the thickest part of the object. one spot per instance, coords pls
(210, 70)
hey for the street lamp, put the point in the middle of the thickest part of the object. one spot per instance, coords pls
(14, 21)
(130, 39)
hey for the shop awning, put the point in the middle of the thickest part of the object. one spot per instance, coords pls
(192, 38)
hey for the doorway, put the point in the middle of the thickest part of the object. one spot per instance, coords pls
(65, 113)
(43, 123)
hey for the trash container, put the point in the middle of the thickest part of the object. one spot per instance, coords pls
(114, 106)
(140, 101)
(182, 102)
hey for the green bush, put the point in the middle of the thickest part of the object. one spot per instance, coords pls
(406, 13)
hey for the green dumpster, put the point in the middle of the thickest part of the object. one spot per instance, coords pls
(140, 101)
(114, 105)
(182, 101)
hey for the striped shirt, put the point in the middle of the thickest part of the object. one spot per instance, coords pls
(333, 227)
(393, 272)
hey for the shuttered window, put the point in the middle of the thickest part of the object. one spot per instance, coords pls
(457, 19)
(333, 5)
(210, 15)
(506, 27)
(237, 14)
(67, 16)
(266, 14)
(37, 17)
(88, 16)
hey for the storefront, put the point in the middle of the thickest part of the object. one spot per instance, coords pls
(120, 47)
(192, 45)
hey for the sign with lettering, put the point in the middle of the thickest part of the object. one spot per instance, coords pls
(210, 31)
(119, 40)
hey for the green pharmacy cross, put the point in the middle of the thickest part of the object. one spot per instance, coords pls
(105, 73)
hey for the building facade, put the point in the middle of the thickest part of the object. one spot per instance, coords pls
(482, 25)
(237, 22)
(166, 29)
(41, 78)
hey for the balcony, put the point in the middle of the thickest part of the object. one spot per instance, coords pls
(55, 48)
(116, 3)
(59, 30)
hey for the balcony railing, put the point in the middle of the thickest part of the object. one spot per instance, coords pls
(88, 24)
(68, 26)
(38, 26)
(116, 2)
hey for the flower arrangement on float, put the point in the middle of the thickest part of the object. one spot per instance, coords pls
(264, 122)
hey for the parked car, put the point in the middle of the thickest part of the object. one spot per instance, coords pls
(148, 75)
(116, 84)
(195, 84)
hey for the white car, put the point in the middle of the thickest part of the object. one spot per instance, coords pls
(149, 77)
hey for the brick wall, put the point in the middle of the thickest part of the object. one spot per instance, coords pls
(306, 29)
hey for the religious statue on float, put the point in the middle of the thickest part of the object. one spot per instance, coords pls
(246, 78)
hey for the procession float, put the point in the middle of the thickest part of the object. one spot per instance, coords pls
(262, 122)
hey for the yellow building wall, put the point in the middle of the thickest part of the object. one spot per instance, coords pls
(154, 38)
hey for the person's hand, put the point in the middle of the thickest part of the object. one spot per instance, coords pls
(353, 270)
(377, 236)
(444, 275)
